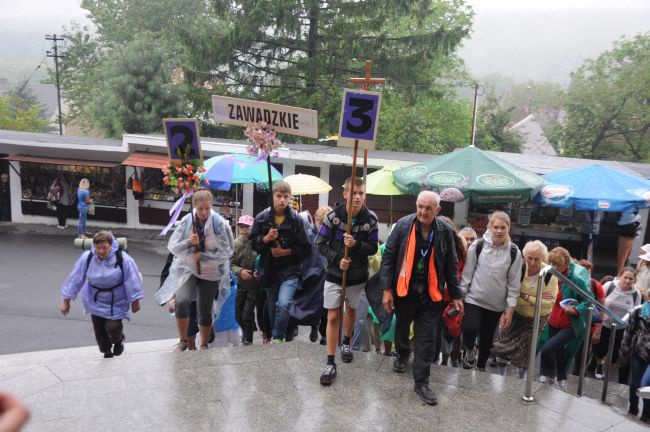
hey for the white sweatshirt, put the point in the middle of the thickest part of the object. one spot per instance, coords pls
(494, 282)
(620, 302)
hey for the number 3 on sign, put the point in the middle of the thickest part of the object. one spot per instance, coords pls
(359, 118)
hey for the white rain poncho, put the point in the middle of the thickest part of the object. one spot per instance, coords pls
(215, 261)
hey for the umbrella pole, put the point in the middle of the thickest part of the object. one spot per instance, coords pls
(390, 212)
(268, 166)
(195, 248)
(299, 203)
(346, 253)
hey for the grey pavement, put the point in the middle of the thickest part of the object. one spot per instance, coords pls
(34, 262)
(276, 388)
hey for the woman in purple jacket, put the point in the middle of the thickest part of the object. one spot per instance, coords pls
(109, 282)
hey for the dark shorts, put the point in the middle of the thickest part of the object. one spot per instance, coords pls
(630, 230)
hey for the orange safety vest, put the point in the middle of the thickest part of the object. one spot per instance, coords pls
(404, 278)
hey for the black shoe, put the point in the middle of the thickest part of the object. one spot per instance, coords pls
(313, 336)
(323, 341)
(399, 365)
(328, 375)
(645, 418)
(346, 354)
(212, 335)
(108, 355)
(118, 348)
(633, 410)
(426, 394)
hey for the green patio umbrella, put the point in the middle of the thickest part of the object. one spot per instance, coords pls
(480, 176)
(381, 182)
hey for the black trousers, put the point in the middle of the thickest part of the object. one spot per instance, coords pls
(480, 322)
(423, 313)
(263, 317)
(107, 332)
(600, 351)
(553, 354)
(245, 303)
(62, 213)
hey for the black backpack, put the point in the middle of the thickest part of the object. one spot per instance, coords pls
(119, 262)
(547, 275)
(514, 250)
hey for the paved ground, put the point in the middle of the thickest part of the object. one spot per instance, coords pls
(275, 388)
(34, 262)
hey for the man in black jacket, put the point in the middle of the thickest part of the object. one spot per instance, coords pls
(418, 265)
(362, 243)
(280, 238)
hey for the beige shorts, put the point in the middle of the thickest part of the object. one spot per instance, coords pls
(332, 295)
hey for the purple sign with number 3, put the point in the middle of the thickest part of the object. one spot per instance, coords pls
(359, 116)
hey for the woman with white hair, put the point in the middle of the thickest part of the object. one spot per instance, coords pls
(513, 344)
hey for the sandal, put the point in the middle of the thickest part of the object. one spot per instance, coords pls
(182, 346)
(204, 347)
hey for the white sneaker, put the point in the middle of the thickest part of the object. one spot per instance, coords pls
(60, 227)
(561, 385)
(544, 379)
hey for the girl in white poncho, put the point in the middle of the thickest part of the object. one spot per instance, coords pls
(209, 248)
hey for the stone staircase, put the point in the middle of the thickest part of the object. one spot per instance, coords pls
(276, 388)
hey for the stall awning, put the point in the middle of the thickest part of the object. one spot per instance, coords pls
(57, 161)
(147, 160)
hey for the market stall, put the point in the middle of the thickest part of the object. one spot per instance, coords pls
(106, 185)
(154, 198)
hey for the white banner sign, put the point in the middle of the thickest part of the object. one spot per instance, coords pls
(284, 119)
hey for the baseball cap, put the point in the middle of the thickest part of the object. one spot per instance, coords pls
(454, 323)
(246, 220)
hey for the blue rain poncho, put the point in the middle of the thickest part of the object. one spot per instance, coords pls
(215, 261)
(104, 274)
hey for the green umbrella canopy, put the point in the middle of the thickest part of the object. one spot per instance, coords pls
(381, 182)
(480, 176)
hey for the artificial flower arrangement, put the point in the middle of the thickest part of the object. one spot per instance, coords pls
(185, 175)
(262, 141)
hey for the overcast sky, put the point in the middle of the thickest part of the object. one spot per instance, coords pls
(546, 39)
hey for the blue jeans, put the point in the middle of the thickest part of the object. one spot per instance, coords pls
(639, 377)
(81, 228)
(280, 297)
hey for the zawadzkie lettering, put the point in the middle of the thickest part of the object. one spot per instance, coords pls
(257, 115)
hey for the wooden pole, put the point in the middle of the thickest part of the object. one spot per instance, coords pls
(268, 166)
(348, 228)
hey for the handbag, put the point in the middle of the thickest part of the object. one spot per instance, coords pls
(91, 209)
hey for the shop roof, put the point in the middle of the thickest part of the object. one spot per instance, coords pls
(11, 137)
(147, 160)
(59, 161)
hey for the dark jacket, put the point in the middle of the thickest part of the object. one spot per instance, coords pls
(291, 235)
(330, 244)
(445, 258)
(244, 259)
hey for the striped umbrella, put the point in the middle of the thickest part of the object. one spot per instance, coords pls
(304, 184)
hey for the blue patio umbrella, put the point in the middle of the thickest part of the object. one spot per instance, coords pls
(224, 170)
(596, 188)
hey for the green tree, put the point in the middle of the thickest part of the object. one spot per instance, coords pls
(16, 115)
(296, 52)
(301, 52)
(492, 126)
(608, 110)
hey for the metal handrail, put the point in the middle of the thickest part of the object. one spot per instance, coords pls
(617, 322)
(586, 296)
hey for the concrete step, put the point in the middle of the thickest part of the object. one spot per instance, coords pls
(276, 388)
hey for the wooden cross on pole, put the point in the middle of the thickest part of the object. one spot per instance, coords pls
(365, 83)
